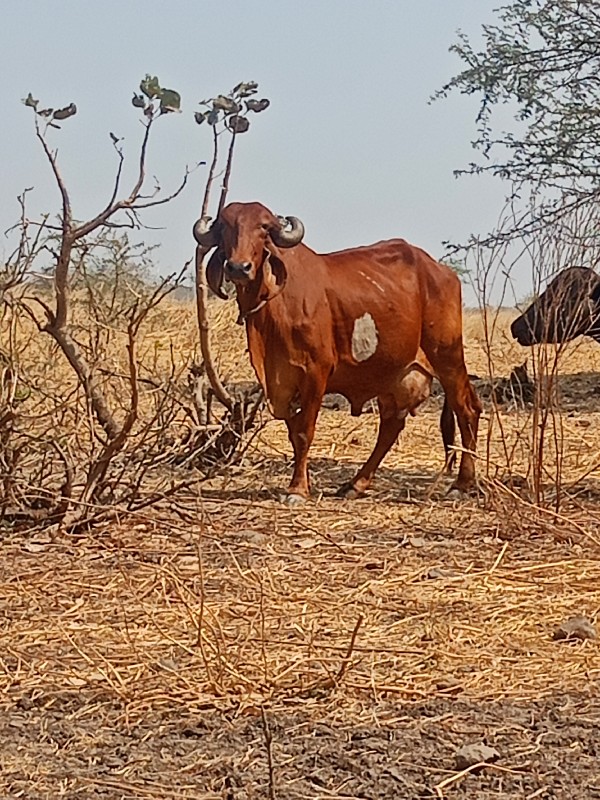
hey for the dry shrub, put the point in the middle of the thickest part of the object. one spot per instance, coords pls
(50, 434)
(528, 459)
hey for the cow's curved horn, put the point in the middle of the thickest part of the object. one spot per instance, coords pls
(288, 238)
(205, 233)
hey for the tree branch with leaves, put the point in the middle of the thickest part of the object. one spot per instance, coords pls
(154, 102)
(540, 62)
(228, 117)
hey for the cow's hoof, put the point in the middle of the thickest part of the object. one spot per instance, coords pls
(449, 466)
(293, 500)
(348, 492)
(461, 489)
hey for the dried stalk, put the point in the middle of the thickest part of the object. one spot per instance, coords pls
(268, 736)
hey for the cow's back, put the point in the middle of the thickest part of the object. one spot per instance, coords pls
(384, 301)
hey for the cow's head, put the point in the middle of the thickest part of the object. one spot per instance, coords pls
(569, 307)
(247, 237)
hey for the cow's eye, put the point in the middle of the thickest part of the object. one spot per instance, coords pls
(264, 226)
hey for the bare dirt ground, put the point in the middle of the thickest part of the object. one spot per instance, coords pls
(355, 645)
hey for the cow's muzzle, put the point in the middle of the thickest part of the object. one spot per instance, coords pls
(521, 331)
(238, 271)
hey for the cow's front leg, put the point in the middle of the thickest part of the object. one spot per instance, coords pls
(301, 429)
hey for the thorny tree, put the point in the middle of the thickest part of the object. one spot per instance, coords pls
(541, 61)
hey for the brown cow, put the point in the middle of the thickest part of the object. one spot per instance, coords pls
(368, 322)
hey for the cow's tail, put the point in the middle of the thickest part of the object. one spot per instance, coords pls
(448, 428)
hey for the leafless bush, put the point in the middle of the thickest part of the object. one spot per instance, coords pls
(70, 420)
(75, 441)
(533, 457)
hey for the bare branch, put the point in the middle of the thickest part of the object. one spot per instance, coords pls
(211, 173)
(66, 245)
(116, 185)
(131, 208)
(142, 163)
(163, 200)
(90, 384)
(66, 489)
(99, 468)
(225, 185)
(114, 206)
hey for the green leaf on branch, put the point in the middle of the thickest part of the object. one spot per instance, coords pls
(538, 62)
(30, 102)
(150, 87)
(170, 100)
(258, 105)
(212, 117)
(238, 124)
(138, 101)
(226, 104)
(200, 117)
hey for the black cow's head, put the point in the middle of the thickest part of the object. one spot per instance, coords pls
(246, 237)
(569, 307)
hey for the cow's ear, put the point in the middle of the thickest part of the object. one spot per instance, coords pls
(214, 273)
(274, 273)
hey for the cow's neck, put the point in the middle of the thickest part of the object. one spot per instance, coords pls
(273, 353)
(252, 299)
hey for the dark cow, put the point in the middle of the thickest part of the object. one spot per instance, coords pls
(376, 321)
(569, 307)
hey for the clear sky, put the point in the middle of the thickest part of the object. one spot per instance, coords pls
(350, 143)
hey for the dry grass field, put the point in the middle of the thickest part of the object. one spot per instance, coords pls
(223, 645)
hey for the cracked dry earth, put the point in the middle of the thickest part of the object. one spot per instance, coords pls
(548, 749)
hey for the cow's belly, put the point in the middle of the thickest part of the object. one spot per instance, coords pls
(409, 385)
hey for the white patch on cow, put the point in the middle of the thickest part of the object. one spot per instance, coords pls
(364, 338)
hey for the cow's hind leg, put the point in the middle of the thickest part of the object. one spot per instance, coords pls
(391, 424)
(448, 430)
(463, 401)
